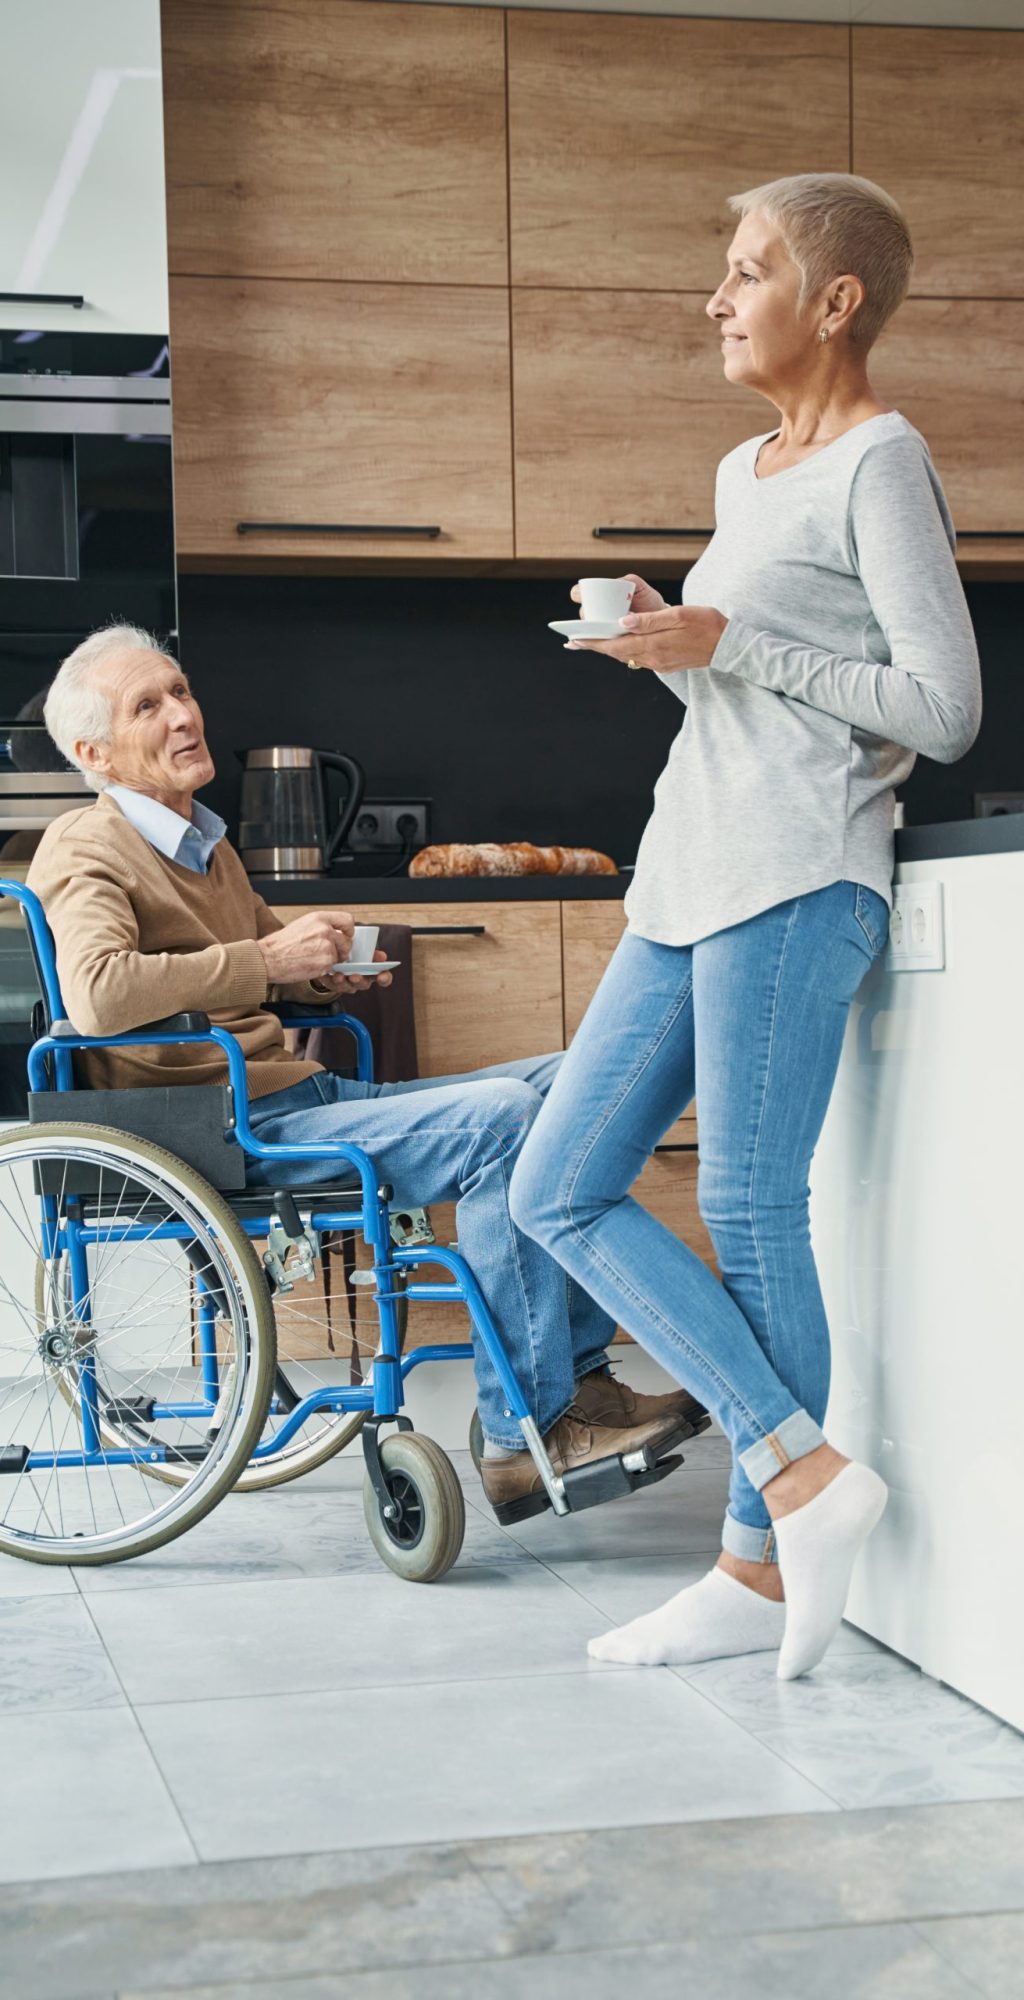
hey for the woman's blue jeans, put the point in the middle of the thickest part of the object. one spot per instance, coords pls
(750, 1021)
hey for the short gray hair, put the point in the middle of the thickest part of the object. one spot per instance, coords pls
(836, 223)
(76, 709)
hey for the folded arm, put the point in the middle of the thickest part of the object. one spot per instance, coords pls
(928, 698)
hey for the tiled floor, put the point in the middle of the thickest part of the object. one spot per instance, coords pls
(395, 1786)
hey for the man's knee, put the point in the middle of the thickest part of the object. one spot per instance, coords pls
(506, 1109)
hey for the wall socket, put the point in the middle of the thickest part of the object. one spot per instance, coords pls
(377, 829)
(917, 933)
(987, 805)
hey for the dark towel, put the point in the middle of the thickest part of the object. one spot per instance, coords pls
(387, 1011)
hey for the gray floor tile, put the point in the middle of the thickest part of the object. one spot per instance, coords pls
(80, 1792)
(989, 1951)
(29, 1579)
(296, 1531)
(623, 1587)
(644, 1883)
(871, 1730)
(51, 1657)
(890, 1963)
(338, 1632)
(302, 1772)
(236, 1921)
(682, 1514)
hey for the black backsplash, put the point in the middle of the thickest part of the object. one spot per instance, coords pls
(453, 689)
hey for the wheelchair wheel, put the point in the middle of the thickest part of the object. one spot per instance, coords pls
(422, 1539)
(106, 1368)
(476, 1439)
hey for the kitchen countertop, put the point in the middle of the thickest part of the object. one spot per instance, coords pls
(1003, 834)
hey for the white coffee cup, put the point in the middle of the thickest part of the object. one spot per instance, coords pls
(605, 597)
(364, 944)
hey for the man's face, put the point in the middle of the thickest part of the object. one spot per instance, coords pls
(156, 743)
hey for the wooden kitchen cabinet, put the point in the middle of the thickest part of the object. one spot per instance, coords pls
(954, 368)
(335, 139)
(380, 405)
(627, 133)
(621, 416)
(479, 999)
(938, 121)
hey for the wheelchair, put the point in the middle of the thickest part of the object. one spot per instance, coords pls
(149, 1358)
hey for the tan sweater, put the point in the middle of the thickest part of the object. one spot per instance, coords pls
(139, 937)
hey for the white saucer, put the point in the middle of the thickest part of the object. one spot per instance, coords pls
(366, 971)
(586, 628)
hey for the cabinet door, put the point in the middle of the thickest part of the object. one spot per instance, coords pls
(954, 367)
(938, 121)
(621, 416)
(627, 133)
(379, 405)
(336, 139)
(83, 210)
(484, 998)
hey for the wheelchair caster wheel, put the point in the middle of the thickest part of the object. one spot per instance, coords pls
(420, 1530)
(476, 1439)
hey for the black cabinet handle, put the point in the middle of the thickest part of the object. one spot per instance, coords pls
(990, 534)
(448, 930)
(686, 1146)
(44, 299)
(329, 528)
(651, 534)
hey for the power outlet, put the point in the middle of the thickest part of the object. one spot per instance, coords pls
(917, 933)
(386, 826)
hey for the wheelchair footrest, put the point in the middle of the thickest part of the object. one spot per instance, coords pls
(612, 1479)
(590, 1485)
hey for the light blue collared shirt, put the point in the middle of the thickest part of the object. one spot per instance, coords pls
(188, 842)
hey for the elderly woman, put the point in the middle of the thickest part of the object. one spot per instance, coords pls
(822, 640)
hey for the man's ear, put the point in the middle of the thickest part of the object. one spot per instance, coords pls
(94, 757)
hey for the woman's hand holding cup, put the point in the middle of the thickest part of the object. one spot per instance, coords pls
(642, 598)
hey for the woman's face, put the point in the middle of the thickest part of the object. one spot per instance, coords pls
(764, 339)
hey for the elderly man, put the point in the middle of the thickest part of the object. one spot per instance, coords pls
(152, 913)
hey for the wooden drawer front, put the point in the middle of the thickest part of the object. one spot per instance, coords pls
(345, 404)
(627, 133)
(938, 121)
(621, 417)
(335, 139)
(485, 999)
(590, 933)
(954, 367)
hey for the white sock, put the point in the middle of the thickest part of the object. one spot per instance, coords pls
(817, 1546)
(707, 1621)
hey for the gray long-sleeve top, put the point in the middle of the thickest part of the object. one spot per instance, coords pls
(849, 650)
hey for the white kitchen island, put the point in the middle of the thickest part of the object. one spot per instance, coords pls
(917, 1218)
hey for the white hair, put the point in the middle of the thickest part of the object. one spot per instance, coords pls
(76, 710)
(837, 223)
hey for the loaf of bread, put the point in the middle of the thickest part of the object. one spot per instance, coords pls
(515, 857)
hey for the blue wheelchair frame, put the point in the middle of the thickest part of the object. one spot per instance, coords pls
(370, 1214)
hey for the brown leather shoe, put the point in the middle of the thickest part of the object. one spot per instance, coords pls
(514, 1486)
(606, 1400)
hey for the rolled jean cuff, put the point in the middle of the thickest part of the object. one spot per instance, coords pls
(793, 1438)
(752, 1545)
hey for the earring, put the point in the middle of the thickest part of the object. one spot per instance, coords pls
(823, 335)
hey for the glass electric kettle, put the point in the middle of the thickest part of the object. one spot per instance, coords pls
(284, 820)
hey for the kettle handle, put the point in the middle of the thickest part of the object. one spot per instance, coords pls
(335, 760)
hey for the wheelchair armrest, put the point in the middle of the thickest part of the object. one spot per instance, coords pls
(305, 1013)
(173, 1024)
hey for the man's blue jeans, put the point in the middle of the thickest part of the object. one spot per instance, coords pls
(457, 1138)
(751, 1022)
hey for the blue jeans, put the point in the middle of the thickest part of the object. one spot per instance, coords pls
(457, 1138)
(750, 1021)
